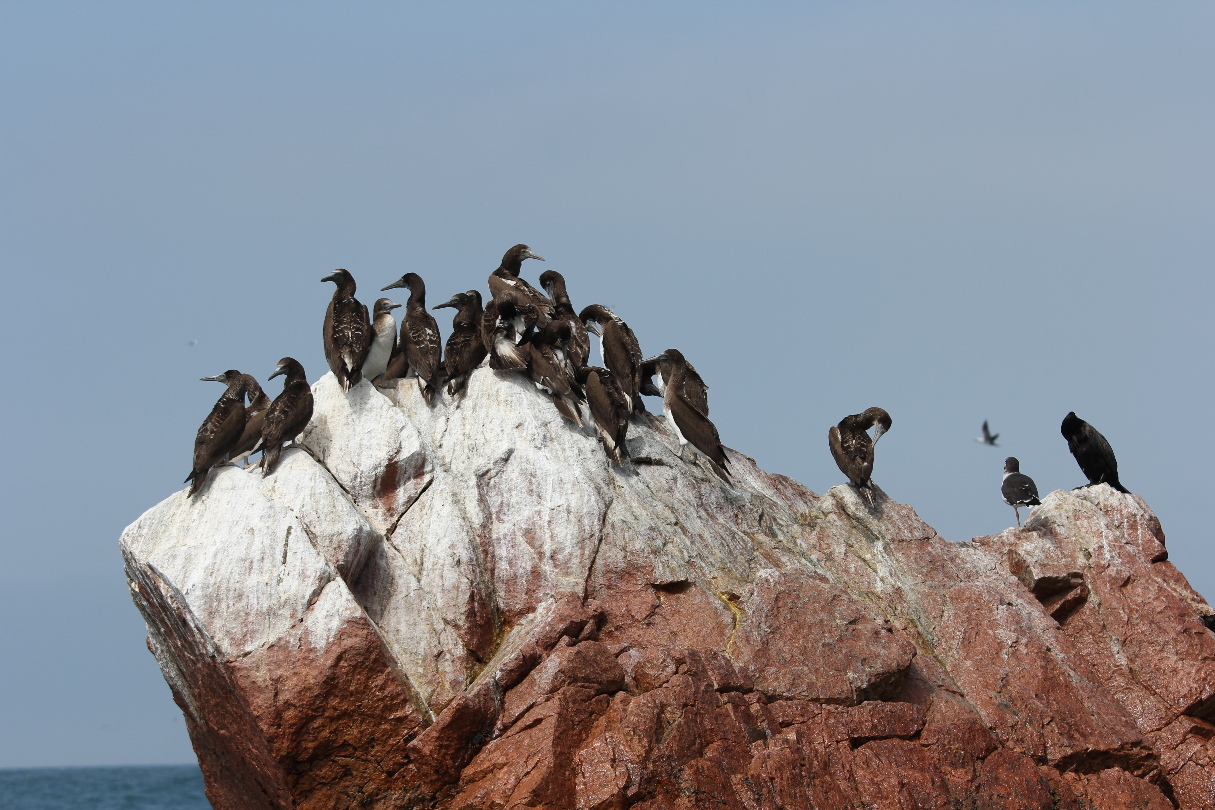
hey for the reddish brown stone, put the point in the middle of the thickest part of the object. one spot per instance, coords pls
(1011, 781)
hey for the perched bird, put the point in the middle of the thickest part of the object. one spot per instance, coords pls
(549, 370)
(988, 437)
(690, 424)
(500, 336)
(422, 346)
(1018, 489)
(464, 350)
(221, 430)
(531, 307)
(578, 345)
(347, 331)
(853, 449)
(609, 408)
(1093, 453)
(255, 414)
(657, 370)
(619, 349)
(288, 415)
(383, 339)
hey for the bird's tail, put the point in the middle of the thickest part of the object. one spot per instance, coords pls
(567, 410)
(196, 479)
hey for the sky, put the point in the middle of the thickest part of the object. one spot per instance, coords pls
(956, 211)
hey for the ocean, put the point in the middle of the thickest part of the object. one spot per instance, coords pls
(162, 787)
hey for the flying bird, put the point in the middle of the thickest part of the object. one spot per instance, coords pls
(853, 449)
(1093, 453)
(221, 430)
(288, 415)
(1017, 488)
(347, 331)
(988, 437)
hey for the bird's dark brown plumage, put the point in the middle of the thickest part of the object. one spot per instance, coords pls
(347, 331)
(690, 424)
(1092, 452)
(853, 449)
(609, 410)
(578, 344)
(621, 352)
(465, 349)
(288, 415)
(221, 430)
(423, 347)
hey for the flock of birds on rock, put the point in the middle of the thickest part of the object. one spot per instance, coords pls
(542, 337)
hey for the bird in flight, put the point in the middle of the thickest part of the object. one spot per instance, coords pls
(988, 437)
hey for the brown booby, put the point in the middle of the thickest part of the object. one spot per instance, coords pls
(383, 339)
(500, 336)
(690, 424)
(694, 389)
(531, 307)
(288, 415)
(1093, 453)
(465, 349)
(609, 408)
(619, 350)
(578, 345)
(853, 449)
(1018, 489)
(347, 331)
(221, 430)
(550, 370)
(255, 414)
(422, 346)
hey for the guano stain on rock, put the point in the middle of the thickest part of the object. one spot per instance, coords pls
(542, 629)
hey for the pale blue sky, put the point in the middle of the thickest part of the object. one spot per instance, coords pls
(958, 212)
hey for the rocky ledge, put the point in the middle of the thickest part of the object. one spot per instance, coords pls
(470, 607)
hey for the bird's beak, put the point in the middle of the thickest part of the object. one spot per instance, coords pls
(453, 302)
(878, 430)
(527, 254)
(331, 277)
(400, 282)
(277, 372)
(223, 378)
(393, 306)
(593, 327)
(658, 358)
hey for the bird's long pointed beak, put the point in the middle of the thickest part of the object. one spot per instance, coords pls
(878, 431)
(392, 306)
(277, 372)
(400, 282)
(331, 277)
(452, 302)
(527, 254)
(223, 378)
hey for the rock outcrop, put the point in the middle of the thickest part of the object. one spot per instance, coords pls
(469, 606)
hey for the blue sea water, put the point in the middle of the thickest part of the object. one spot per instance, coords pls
(162, 787)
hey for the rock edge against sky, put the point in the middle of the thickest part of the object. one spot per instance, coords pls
(470, 606)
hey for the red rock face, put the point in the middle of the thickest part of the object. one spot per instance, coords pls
(754, 647)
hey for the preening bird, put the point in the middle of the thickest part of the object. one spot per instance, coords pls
(619, 349)
(347, 331)
(852, 448)
(690, 424)
(500, 336)
(383, 339)
(656, 371)
(551, 372)
(988, 437)
(288, 415)
(1018, 489)
(221, 430)
(464, 350)
(255, 414)
(1093, 453)
(610, 410)
(422, 345)
(578, 345)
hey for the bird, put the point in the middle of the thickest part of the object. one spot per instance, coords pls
(500, 336)
(464, 350)
(1093, 453)
(288, 415)
(658, 369)
(255, 414)
(610, 410)
(690, 424)
(578, 345)
(853, 449)
(1017, 488)
(531, 307)
(549, 370)
(422, 345)
(619, 350)
(221, 430)
(347, 331)
(988, 437)
(383, 339)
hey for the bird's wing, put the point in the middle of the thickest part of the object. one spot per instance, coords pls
(218, 433)
(696, 428)
(425, 348)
